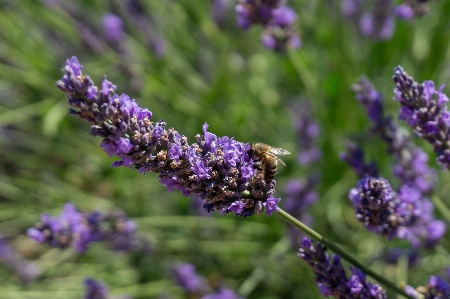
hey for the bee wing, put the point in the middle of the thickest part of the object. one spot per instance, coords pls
(279, 160)
(278, 151)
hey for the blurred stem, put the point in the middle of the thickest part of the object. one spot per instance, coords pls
(441, 207)
(333, 247)
(307, 78)
(402, 270)
(259, 273)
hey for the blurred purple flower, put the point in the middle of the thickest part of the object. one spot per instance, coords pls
(392, 256)
(276, 18)
(299, 196)
(411, 9)
(95, 289)
(404, 11)
(219, 10)
(376, 19)
(25, 271)
(159, 47)
(78, 230)
(187, 278)
(307, 132)
(222, 294)
(331, 278)
(112, 27)
(219, 169)
(354, 157)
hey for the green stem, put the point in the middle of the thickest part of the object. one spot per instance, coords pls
(330, 245)
(441, 207)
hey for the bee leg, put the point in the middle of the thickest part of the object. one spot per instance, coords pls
(258, 164)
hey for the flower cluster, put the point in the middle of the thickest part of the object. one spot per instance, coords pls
(411, 9)
(436, 289)
(405, 215)
(378, 22)
(196, 286)
(307, 132)
(276, 18)
(72, 228)
(331, 277)
(25, 271)
(186, 277)
(411, 167)
(354, 157)
(423, 108)
(97, 290)
(300, 194)
(218, 169)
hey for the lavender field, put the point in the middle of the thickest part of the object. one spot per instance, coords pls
(143, 143)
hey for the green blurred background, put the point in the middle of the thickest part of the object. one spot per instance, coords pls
(211, 73)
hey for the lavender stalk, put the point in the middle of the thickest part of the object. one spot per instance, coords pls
(423, 108)
(344, 255)
(218, 169)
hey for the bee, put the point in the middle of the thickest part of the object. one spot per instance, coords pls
(266, 160)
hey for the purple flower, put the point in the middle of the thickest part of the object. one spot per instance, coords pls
(355, 158)
(187, 278)
(159, 47)
(112, 27)
(78, 230)
(284, 16)
(307, 132)
(25, 271)
(299, 196)
(379, 24)
(437, 288)
(330, 275)
(219, 10)
(404, 11)
(351, 7)
(222, 294)
(411, 167)
(276, 18)
(271, 204)
(411, 9)
(422, 107)
(406, 215)
(95, 289)
(218, 169)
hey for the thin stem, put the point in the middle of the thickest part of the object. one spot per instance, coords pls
(330, 245)
(441, 207)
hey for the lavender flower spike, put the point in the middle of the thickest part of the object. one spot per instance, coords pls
(218, 169)
(78, 230)
(331, 278)
(187, 278)
(25, 271)
(411, 167)
(95, 289)
(406, 215)
(423, 107)
(276, 18)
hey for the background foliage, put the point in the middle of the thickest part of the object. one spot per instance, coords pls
(209, 73)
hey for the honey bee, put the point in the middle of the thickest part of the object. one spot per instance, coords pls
(266, 160)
